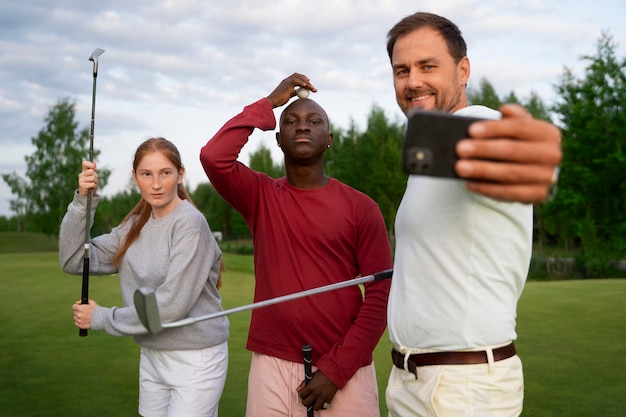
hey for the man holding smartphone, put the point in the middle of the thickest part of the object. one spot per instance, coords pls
(462, 247)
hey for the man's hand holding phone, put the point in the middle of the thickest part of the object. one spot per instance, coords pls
(512, 159)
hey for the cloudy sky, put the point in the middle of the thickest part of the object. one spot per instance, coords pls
(181, 68)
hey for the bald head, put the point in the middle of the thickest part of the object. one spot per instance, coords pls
(305, 105)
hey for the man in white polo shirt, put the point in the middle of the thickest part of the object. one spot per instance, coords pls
(463, 247)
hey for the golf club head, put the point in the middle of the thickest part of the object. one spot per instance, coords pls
(147, 310)
(94, 58)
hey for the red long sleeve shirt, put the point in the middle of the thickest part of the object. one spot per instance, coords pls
(305, 239)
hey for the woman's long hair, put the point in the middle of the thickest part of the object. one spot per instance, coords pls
(143, 210)
(139, 215)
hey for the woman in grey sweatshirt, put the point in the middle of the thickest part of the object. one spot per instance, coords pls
(165, 244)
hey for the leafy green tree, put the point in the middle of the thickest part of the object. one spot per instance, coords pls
(512, 98)
(7, 224)
(213, 207)
(219, 214)
(341, 157)
(261, 161)
(537, 107)
(592, 190)
(484, 95)
(18, 205)
(52, 170)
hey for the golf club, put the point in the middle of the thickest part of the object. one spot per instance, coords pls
(84, 299)
(307, 350)
(148, 310)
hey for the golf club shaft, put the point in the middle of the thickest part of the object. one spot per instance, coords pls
(343, 284)
(307, 351)
(84, 298)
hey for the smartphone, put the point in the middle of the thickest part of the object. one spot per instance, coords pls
(430, 141)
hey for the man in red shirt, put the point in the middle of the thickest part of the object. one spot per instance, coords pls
(309, 230)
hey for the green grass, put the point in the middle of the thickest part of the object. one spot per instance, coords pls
(571, 340)
(27, 242)
(572, 337)
(47, 370)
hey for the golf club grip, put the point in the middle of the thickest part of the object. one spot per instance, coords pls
(307, 350)
(84, 296)
(386, 274)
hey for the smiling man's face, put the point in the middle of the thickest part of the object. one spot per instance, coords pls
(425, 75)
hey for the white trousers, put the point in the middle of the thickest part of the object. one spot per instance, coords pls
(182, 383)
(493, 389)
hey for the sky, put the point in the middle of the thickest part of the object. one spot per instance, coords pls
(182, 68)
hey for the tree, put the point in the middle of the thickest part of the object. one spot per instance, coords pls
(219, 214)
(261, 161)
(485, 95)
(592, 191)
(537, 107)
(52, 170)
(17, 206)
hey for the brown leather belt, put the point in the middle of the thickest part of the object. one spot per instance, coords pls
(450, 358)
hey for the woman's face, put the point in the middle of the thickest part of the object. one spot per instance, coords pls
(158, 180)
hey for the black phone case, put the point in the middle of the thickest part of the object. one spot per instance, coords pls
(430, 141)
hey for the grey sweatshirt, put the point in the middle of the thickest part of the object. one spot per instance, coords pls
(176, 256)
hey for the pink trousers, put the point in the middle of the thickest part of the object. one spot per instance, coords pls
(272, 392)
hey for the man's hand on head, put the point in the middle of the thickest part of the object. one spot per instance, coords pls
(287, 89)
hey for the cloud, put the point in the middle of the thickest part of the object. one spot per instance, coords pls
(180, 69)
